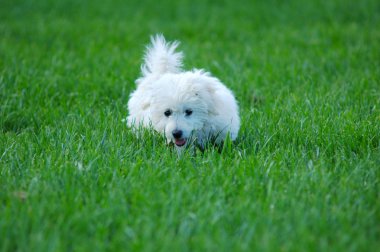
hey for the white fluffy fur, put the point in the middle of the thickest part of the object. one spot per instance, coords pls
(163, 87)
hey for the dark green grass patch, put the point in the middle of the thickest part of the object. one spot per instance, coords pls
(303, 174)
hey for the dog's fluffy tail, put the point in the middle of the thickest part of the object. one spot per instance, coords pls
(161, 58)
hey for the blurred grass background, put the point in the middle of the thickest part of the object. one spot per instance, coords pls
(303, 175)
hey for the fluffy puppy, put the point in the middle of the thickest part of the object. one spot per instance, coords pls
(186, 106)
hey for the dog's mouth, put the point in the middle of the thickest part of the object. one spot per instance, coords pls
(180, 142)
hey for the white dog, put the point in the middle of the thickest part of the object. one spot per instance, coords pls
(186, 107)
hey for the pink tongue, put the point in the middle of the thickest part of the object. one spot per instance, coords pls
(180, 142)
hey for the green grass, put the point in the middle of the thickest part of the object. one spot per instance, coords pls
(302, 176)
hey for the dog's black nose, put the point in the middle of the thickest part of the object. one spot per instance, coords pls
(177, 133)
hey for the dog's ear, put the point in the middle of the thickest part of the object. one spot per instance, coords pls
(206, 88)
(205, 80)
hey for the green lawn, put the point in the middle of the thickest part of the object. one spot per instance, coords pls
(302, 176)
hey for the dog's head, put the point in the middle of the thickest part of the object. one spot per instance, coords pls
(181, 106)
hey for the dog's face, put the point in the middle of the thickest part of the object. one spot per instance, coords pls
(180, 108)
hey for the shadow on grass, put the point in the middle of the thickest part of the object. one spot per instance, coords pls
(14, 125)
(17, 124)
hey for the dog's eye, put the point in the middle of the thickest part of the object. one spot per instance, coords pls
(168, 113)
(188, 112)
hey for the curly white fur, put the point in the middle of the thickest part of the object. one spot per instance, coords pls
(161, 58)
(185, 106)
